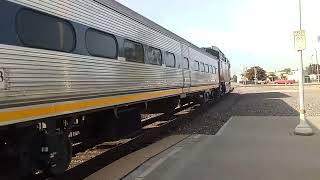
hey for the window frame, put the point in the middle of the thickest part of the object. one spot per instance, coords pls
(202, 64)
(211, 69)
(185, 59)
(174, 58)
(134, 42)
(70, 25)
(161, 58)
(101, 32)
(206, 68)
(198, 65)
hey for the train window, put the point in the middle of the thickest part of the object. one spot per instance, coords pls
(196, 66)
(186, 63)
(211, 69)
(206, 68)
(133, 51)
(38, 30)
(154, 56)
(170, 60)
(202, 67)
(215, 70)
(101, 44)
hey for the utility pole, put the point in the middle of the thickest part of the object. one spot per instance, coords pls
(317, 65)
(303, 128)
(255, 76)
(311, 65)
(245, 75)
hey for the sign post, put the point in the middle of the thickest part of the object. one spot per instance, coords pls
(303, 128)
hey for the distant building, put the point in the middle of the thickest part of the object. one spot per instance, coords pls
(271, 76)
(240, 78)
(294, 75)
(313, 77)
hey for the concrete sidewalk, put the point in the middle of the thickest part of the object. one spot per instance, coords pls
(257, 148)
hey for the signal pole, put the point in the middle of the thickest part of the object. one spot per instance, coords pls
(303, 128)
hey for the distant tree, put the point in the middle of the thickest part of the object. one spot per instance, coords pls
(286, 70)
(261, 73)
(312, 69)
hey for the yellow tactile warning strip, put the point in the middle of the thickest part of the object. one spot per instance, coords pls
(14, 115)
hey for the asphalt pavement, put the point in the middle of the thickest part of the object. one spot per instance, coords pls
(247, 147)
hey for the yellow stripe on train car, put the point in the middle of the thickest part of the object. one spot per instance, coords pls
(14, 115)
(47, 110)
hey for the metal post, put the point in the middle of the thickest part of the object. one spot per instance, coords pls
(317, 65)
(311, 65)
(255, 76)
(245, 75)
(303, 127)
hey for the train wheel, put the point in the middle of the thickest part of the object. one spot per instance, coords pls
(169, 107)
(29, 145)
(58, 153)
(127, 122)
(206, 97)
(39, 150)
(216, 94)
(202, 98)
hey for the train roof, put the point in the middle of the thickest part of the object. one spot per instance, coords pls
(145, 21)
(215, 48)
(218, 50)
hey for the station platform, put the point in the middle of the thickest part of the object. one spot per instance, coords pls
(247, 147)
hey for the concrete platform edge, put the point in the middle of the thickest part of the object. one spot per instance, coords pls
(126, 165)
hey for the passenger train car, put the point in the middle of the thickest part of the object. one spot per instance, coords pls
(88, 65)
(224, 68)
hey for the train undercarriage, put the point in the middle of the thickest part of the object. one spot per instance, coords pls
(47, 145)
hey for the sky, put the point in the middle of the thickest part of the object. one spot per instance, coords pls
(249, 32)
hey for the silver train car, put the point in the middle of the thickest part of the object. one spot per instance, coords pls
(224, 68)
(88, 64)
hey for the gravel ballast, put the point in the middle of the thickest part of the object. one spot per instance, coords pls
(251, 101)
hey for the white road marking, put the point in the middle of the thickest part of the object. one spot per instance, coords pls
(283, 90)
(158, 163)
(223, 127)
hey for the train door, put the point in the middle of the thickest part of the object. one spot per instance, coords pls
(186, 68)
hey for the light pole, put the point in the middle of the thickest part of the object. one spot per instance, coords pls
(303, 127)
